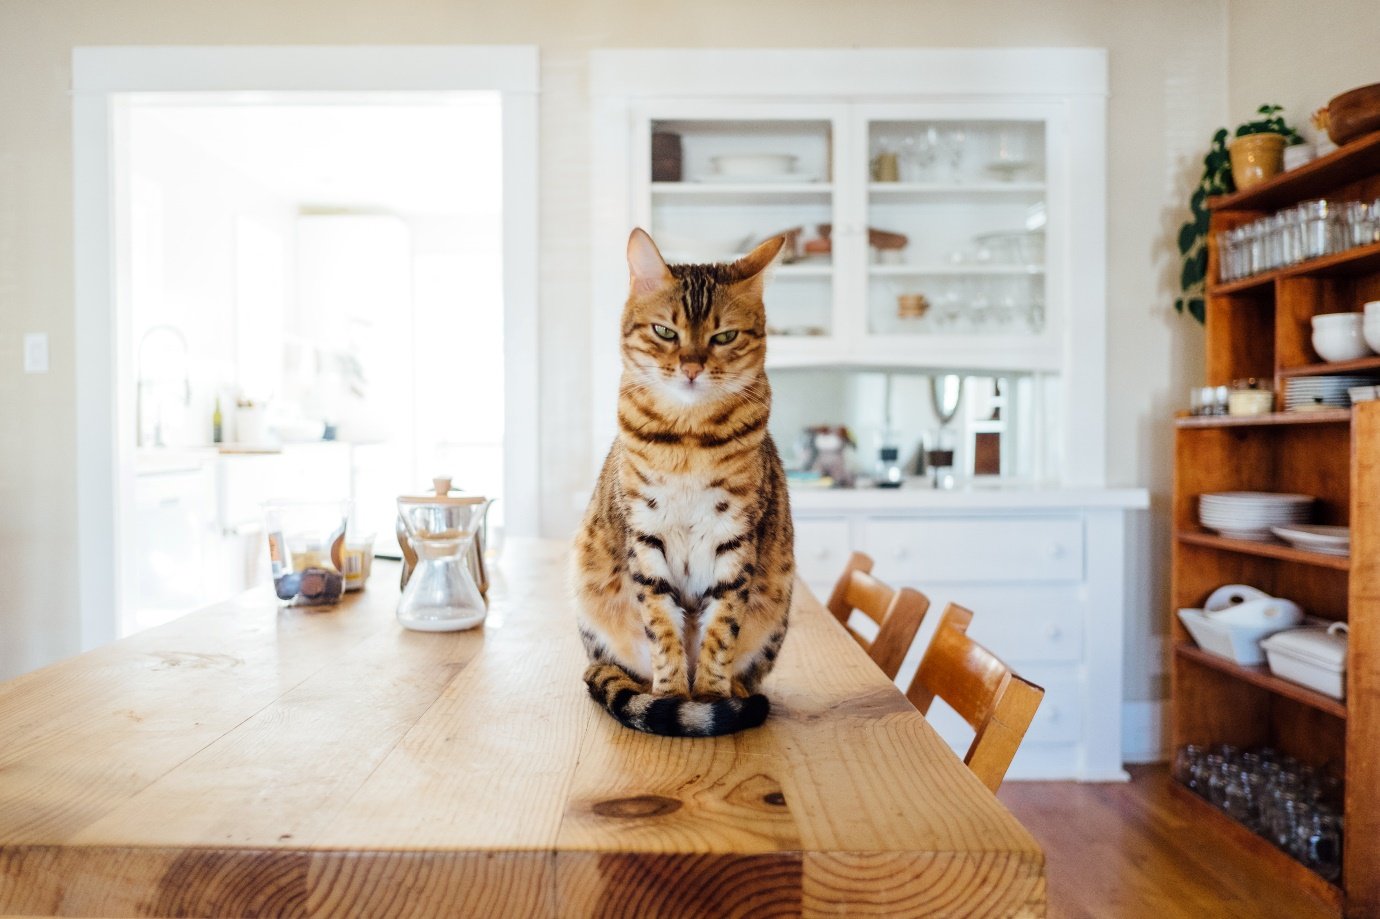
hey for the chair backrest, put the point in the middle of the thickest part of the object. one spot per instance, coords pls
(996, 703)
(898, 613)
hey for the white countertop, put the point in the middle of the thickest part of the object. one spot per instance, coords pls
(920, 495)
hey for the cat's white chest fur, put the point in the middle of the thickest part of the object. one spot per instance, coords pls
(687, 521)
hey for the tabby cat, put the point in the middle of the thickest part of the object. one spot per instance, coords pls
(683, 567)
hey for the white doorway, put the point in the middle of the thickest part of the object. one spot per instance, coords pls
(343, 278)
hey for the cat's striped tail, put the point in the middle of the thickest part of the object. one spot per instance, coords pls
(628, 701)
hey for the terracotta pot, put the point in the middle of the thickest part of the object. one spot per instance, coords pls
(1255, 158)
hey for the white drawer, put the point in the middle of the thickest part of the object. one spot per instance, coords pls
(1021, 625)
(822, 547)
(1057, 720)
(936, 550)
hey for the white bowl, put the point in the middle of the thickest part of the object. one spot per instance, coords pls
(1372, 310)
(1371, 333)
(1338, 320)
(1339, 343)
(754, 164)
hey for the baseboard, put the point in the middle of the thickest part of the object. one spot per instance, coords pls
(1144, 738)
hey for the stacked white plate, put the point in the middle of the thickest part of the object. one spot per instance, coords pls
(1251, 514)
(1303, 394)
(1324, 539)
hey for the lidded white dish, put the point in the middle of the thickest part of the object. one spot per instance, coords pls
(1315, 658)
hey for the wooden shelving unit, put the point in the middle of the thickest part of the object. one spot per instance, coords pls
(1261, 327)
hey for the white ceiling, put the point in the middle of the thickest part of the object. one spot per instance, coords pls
(415, 157)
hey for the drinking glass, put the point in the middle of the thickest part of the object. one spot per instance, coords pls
(952, 145)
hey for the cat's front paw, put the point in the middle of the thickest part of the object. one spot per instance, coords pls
(677, 688)
(711, 689)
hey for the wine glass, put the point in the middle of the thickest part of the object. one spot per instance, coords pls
(952, 143)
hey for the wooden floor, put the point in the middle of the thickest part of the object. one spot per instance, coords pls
(1125, 851)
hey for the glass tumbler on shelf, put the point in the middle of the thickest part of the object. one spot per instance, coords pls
(441, 595)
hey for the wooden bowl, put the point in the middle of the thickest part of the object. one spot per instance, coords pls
(1354, 113)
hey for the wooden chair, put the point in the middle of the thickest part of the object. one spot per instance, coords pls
(898, 613)
(995, 702)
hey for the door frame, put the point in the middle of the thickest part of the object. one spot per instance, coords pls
(102, 79)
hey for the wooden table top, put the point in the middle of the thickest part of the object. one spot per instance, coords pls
(244, 760)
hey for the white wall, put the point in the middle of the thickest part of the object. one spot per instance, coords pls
(1298, 55)
(1168, 73)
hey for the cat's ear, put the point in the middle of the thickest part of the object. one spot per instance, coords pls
(645, 265)
(756, 266)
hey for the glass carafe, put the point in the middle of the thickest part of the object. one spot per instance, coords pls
(441, 595)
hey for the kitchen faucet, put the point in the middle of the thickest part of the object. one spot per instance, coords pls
(140, 383)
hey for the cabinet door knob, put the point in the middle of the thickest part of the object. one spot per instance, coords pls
(822, 552)
(1054, 633)
(901, 552)
(1057, 550)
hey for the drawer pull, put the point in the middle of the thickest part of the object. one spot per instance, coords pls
(1056, 551)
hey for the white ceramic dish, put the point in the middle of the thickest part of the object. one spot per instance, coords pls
(1312, 657)
(1363, 393)
(1330, 540)
(1250, 402)
(1370, 331)
(1234, 642)
(755, 165)
(1260, 613)
(1340, 343)
(1231, 594)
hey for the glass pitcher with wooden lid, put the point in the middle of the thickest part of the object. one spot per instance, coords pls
(441, 594)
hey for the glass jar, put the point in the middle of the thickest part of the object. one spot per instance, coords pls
(1218, 779)
(1284, 821)
(1318, 842)
(1186, 763)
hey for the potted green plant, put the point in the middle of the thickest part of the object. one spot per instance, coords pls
(1257, 153)
(1217, 179)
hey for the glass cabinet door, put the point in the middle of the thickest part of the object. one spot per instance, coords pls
(956, 217)
(721, 182)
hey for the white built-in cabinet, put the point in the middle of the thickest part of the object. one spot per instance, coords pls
(991, 163)
(997, 181)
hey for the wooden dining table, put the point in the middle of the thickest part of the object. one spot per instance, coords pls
(247, 760)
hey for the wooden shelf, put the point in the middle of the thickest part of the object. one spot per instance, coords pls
(1277, 550)
(1357, 260)
(1274, 419)
(1356, 160)
(1255, 327)
(1360, 365)
(1281, 865)
(1262, 677)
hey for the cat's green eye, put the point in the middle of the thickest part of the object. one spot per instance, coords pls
(664, 333)
(724, 338)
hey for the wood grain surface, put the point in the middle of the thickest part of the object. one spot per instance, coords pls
(246, 760)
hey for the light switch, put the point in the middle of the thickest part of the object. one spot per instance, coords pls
(35, 352)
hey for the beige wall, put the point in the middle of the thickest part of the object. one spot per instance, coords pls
(1168, 94)
(1298, 55)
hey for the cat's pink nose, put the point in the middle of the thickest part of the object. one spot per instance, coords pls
(692, 370)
